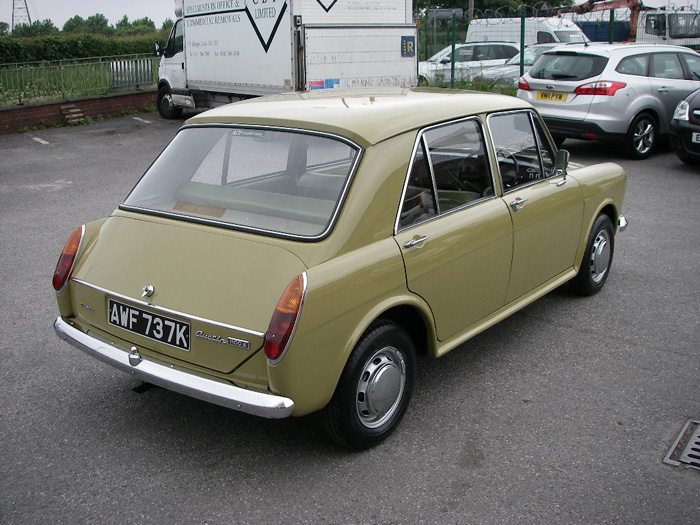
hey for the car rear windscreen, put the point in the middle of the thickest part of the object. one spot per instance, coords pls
(567, 66)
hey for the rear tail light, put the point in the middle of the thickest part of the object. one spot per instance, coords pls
(601, 87)
(522, 84)
(285, 318)
(64, 267)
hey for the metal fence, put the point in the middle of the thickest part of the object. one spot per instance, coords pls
(37, 82)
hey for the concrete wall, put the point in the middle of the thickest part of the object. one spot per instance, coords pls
(18, 117)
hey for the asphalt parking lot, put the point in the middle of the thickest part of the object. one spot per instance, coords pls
(560, 414)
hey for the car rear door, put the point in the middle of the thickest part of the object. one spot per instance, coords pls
(454, 233)
(669, 83)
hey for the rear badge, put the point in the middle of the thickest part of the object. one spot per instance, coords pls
(231, 341)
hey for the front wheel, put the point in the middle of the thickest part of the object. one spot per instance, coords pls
(597, 258)
(642, 137)
(166, 108)
(374, 389)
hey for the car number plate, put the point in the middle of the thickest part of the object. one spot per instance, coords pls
(696, 138)
(553, 96)
(153, 326)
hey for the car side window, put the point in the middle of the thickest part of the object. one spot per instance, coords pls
(666, 65)
(523, 152)
(692, 64)
(634, 65)
(464, 54)
(419, 197)
(450, 162)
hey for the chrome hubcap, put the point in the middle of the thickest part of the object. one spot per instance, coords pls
(643, 136)
(600, 256)
(380, 388)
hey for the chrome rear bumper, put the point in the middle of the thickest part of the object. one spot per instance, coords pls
(180, 380)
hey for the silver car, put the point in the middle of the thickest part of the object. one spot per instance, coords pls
(470, 60)
(509, 74)
(621, 92)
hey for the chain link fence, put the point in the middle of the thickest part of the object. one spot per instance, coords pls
(438, 28)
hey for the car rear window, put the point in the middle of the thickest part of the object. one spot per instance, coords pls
(281, 182)
(567, 66)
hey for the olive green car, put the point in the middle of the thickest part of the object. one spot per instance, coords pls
(291, 254)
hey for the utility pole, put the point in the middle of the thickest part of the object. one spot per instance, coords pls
(20, 14)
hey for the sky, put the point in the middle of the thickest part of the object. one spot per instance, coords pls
(58, 11)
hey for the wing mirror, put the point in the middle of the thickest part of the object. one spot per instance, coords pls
(561, 162)
(157, 50)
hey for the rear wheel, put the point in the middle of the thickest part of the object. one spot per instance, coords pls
(642, 137)
(374, 389)
(597, 258)
(166, 108)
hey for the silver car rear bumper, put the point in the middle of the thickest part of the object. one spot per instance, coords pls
(180, 380)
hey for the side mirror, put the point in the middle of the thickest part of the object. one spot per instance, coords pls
(561, 162)
(157, 51)
(445, 60)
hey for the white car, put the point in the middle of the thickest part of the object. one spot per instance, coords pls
(469, 61)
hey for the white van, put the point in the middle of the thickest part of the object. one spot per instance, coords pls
(538, 30)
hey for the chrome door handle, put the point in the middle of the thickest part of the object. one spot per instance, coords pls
(518, 203)
(414, 242)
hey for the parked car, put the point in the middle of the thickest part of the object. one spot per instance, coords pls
(292, 254)
(685, 129)
(619, 92)
(471, 59)
(509, 73)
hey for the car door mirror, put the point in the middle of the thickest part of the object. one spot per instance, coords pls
(561, 162)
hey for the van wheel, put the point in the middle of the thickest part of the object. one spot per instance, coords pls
(166, 108)
(641, 137)
(374, 389)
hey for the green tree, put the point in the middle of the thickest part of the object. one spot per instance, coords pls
(36, 28)
(75, 25)
(167, 26)
(4, 28)
(98, 25)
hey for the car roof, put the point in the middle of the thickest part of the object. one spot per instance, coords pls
(364, 116)
(617, 49)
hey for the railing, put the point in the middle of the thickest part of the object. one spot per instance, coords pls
(37, 82)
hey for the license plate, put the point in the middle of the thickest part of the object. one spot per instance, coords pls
(553, 96)
(153, 326)
(696, 138)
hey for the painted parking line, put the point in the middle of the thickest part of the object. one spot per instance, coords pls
(141, 120)
(40, 141)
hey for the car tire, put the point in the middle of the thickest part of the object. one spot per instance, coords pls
(374, 389)
(642, 137)
(597, 259)
(165, 104)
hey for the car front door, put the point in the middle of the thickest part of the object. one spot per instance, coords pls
(546, 208)
(454, 233)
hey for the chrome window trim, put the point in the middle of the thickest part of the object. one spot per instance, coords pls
(248, 229)
(419, 140)
(170, 311)
(531, 116)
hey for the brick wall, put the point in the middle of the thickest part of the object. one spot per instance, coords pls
(17, 117)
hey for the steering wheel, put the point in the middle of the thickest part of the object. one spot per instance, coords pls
(510, 178)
